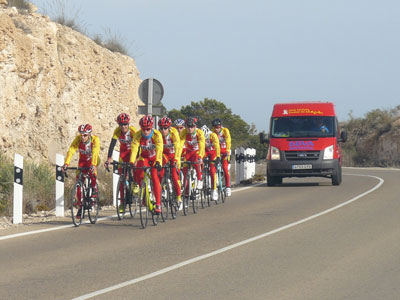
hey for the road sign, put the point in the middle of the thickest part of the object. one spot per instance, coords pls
(156, 110)
(153, 98)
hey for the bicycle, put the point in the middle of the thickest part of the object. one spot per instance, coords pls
(190, 189)
(85, 200)
(206, 191)
(147, 202)
(220, 183)
(129, 200)
(168, 196)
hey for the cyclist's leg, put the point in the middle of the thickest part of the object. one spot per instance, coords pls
(139, 173)
(225, 164)
(156, 185)
(195, 158)
(176, 181)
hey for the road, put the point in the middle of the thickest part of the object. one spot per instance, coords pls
(311, 240)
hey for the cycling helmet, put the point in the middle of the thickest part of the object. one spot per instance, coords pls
(191, 121)
(179, 122)
(146, 122)
(206, 131)
(123, 119)
(216, 122)
(164, 122)
(85, 129)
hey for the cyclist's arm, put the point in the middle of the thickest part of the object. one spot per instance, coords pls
(135, 146)
(183, 139)
(111, 148)
(215, 141)
(95, 150)
(72, 149)
(158, 140)
(228, 140)
(177, 145)
(202, 143)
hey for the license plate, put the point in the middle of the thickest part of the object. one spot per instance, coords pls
(301, 167)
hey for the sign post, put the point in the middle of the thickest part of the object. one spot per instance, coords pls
(151, 92)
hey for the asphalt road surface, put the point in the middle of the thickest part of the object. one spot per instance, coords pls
(305, 239)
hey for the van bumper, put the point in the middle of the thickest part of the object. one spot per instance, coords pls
(323, 168)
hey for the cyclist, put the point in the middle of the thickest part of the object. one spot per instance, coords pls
(225, 144)
(180, 126)
(172, 153)
(89, 149)
(193, 139)
(150, 143)
(213, 152)
(124, 134)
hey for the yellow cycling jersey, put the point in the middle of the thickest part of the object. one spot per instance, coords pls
(194, 142)
(212, 144)
(151, 148)
(224, 139)
(87, 151)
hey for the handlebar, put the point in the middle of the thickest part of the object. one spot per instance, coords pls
(74, 168)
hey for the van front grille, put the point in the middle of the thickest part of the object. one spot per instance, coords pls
(302, 155)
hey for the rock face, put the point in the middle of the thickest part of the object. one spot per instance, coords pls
(53, 79)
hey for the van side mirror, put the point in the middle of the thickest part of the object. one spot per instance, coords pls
(264, 138)
(343, 137)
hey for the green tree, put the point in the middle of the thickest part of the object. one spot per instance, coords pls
(243, 134)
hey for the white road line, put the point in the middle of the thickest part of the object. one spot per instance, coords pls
(11, 236)
(219, 251)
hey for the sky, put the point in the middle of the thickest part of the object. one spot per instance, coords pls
(252, 54)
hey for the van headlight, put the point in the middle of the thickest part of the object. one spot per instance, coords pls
(328, 152)
(275, 154)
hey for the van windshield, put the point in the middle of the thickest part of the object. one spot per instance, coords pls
(309, 126)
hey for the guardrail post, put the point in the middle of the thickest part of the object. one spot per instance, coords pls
(59, 186)
(18, 188)
(115, 157)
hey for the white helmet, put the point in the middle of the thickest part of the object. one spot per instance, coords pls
(206, 131)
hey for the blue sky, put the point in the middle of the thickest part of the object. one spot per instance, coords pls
(252, 54)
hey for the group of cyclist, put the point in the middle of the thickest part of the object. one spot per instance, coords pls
(149, 147)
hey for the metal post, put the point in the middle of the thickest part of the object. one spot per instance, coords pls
(59, 186)
(237, 166)
(18, 188)
(115, 157)
(150, 98)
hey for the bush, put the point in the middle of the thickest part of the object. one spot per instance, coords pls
(19, 4)
(39, 186)
(113, 41)
(6, 184)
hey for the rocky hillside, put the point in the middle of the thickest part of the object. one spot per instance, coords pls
(374, 141)
(52, 79)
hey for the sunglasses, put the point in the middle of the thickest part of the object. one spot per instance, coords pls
(181, 128)
(164, 128)
(122, 125)
(217, 127)
(146, 129)
(84, 135)
(191, 126)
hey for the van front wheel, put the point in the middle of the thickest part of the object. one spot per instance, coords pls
(337, 175)
(273, 180)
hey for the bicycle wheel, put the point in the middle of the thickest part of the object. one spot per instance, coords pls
(202, 192)
(120, 203)
(208, 190)
(93, 207)
(223, 188)
(76, 203)
(195, 200)
(186, 194)
(164, 200)
(143, 208)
